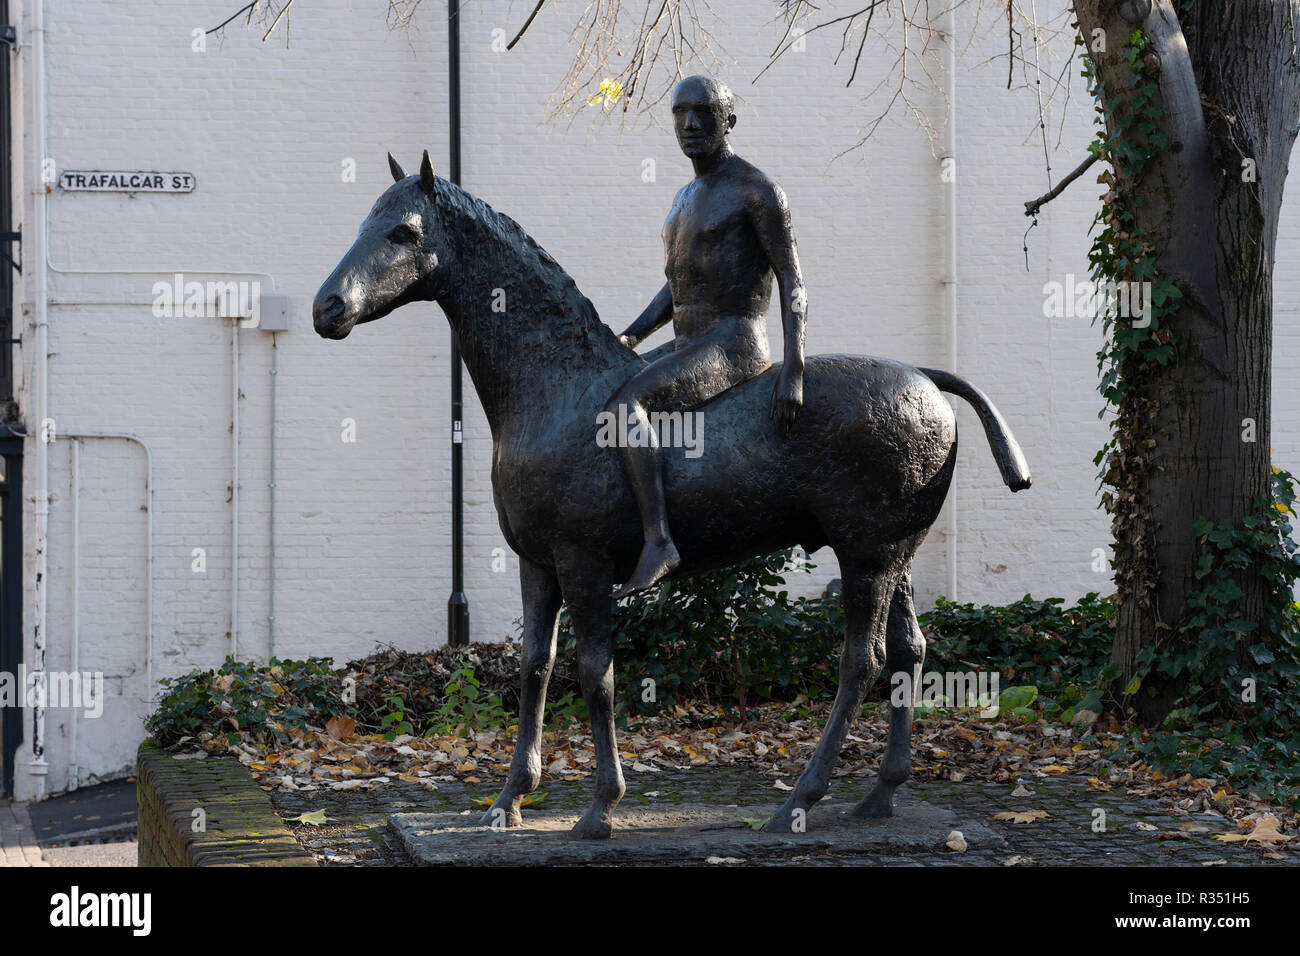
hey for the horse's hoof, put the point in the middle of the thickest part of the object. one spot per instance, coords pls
(789, 819)
(501, 817)
(875, 806)
(594, 825)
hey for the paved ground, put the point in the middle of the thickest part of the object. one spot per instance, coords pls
(86, 828)
(94, 826)
(1138, 832)
(99, 812)
(117, 853)
(18, 845)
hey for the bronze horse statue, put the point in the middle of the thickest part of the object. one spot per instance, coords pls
(865, 471)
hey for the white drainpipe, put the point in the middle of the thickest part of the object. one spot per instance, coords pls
(39, 767)
(234, 488)
(270, 521)
(74, 771)
(950, 252)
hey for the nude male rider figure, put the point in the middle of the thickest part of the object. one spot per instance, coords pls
(726, 235)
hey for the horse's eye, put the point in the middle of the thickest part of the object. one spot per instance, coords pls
(403, 235)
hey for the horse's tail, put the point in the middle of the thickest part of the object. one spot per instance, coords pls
(1010, 459)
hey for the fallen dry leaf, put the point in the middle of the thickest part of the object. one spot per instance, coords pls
(1023, 816)
(316, 818)
(1266, 831)
(340, 728)
(956, 841)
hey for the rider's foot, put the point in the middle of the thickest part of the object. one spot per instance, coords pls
(658, 558)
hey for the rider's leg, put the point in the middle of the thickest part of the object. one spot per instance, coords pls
(641, 464)
(679, 381)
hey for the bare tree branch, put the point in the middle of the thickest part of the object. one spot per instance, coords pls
(248, 8)
(527, 23)
(274, 23)
(261, 11)
(633, 53)
(1032, 207)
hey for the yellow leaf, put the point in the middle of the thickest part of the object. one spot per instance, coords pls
(315, 818)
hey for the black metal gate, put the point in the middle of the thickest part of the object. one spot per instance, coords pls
(10, 240)
(11, 441)
(11, 600)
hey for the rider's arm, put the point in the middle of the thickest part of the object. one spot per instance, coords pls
(656, 315)
(770, 213)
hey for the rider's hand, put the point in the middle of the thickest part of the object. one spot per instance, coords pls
(628, 340)
(787, 399)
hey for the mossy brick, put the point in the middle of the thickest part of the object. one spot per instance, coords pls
(241, 826)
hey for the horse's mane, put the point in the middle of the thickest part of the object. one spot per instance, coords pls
(553, 287)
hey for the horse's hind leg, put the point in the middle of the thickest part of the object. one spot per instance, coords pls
(905, 654)
(866, 606)
(586, 584)
(541, 592)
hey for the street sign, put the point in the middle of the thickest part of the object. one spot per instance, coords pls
(126, 181)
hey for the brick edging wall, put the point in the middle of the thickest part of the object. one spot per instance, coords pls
(239, 825)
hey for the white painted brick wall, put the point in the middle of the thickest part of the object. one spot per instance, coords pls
(363, 529)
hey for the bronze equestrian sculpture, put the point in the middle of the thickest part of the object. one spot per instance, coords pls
(865, 471)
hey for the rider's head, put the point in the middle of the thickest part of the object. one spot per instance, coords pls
(702, 115)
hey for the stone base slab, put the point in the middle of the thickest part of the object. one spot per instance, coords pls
(677, 834)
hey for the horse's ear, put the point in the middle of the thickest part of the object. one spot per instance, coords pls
(395, 169)
(426, 174)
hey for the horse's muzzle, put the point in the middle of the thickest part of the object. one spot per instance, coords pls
(329, 315)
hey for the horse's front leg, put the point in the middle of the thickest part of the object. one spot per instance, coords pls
(586, 583)
(541, 593)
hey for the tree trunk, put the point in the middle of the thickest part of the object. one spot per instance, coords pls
(1211, 199)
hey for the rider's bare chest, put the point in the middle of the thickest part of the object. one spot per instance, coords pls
(703, 218)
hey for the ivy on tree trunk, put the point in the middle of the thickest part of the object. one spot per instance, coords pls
(1190, 439)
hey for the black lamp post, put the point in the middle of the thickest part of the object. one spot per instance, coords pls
(457, 604)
